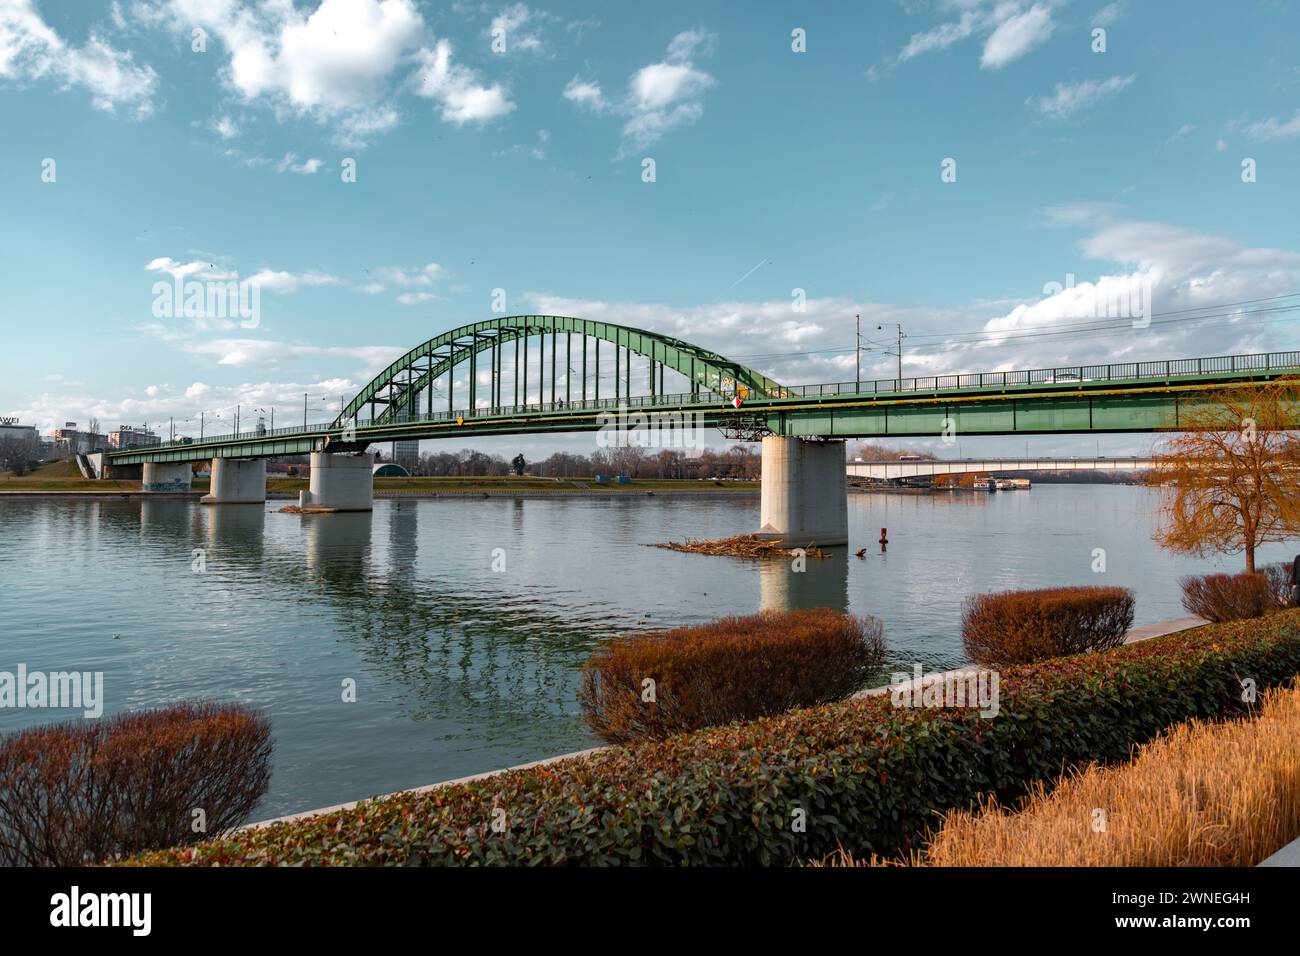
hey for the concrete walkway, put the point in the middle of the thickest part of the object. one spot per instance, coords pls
(1289, 855)
(1146, 632)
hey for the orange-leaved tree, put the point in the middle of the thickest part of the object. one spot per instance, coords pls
(1230, 480)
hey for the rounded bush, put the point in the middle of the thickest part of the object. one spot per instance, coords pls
(650, 686)
(1021, 627)
(1235, 597)
(86, 791)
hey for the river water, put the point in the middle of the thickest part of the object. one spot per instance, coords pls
(464, 621)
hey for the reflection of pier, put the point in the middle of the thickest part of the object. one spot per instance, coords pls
(824, 582)
(449, 645)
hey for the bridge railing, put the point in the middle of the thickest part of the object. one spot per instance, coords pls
(1263, 362)
(1124, 371)
(260, 433)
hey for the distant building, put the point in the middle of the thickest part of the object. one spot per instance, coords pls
(11, 430)
(406, 453)
(128, 436)
(73, 441)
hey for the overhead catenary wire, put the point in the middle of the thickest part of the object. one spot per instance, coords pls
(1068, 330)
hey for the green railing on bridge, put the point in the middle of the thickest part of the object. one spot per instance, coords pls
(1064, 375)
(869, 391)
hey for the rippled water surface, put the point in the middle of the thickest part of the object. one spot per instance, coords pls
(460, 668)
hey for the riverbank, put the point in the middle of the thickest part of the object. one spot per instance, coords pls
(1137, 634)
(36, 486)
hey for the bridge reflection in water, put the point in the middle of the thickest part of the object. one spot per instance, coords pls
(824, 582)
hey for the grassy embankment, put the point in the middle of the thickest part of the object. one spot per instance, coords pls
(63, 477)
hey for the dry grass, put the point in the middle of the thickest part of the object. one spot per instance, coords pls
(1225, 794)
(741, 546)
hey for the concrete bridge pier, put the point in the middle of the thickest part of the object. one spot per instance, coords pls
(236, 482)
(340, 482)
(167, 477)
(804, 498)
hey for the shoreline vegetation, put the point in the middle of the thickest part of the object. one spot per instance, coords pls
(863, 772)
(1201, 794)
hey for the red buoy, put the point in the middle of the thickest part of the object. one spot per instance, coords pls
(884, 537)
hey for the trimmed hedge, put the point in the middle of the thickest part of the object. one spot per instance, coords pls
(734, 668)
(1235, 597)
(869, 777)
(1022, 627)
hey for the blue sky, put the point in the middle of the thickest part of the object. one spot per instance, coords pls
(521, 168)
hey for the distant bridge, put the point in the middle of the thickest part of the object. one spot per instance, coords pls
(507, 392)
(895, 470)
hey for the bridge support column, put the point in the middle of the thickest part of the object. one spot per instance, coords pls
(340, 482)
(804, 498)
(165, 477)
(236, 482)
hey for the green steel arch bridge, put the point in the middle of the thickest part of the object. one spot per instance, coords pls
(533, 374)
(547, 373)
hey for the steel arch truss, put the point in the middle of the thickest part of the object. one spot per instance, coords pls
(397, 389)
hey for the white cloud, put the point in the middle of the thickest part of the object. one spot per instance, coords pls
(941, 37)
(338, 63)
(336, 59)
(425, 276)
(415, 298)
(543, 142)
(268, 353)
(1106, 15)
(660, 97)
(359, 126)
(214, 403)
(585, 93)
(290, 164)
(283, 283)
(1271, 129)
(268, 280)
(513, 22)
(1183, 132)
(1017, 35)
(183, 270)
(225, 127)
(659, 85)
(1010, 30)
(1068, 98)
(463, 98)
(31, 50)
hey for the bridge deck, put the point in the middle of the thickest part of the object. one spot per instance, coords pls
(1129, 397)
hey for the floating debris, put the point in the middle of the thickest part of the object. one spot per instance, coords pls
(742, 546)
(295, 510)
